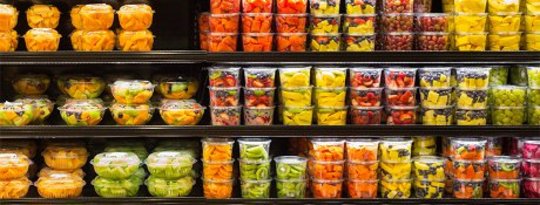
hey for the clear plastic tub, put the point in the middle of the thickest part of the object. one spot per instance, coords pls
(470, 41)
(159, 187)
(255, 169)
(428, 168)
(224, 7)
(433, 41)
(257, 42)
(533, 114)
(9, 41)
(468, 189)
(432, 22)
(361, 150)
(326, 189)
(395, 189)
(495, 6)
(366, 115)
(400, 41)
(254, 149)
(359, 42)
(14, 188)
(394, 170)
(42, 39)
(262, 6)
(366, 97)
(437, 115)
(401, 96)
(429, 189)
(226, 116)
(255, 189)
(362, 170)
(508, 115)
(532, 41)
(498, 75)
(116, 188)
(291, 188)
(471, 116)
(531, 187)
(259, 77)
(395, 149)
(365, 77)
(254, 97)
(473, 77)
(299, 96)
(60, 186)
(297, 115)
(96, 16)
(398, 22)
(397, 6)
(9, 15)
(468, 148)
(223, 97)
(504, 188)
(533, 76)
(218, 189)
(330, 77)
(102, 40)
(325, 42)
(508, 96)
(504, 41)
(222, 42)
(469, 169)
(324, 24)
(436, 97)
(292, 77)
(326, 170)
(43, 16)
(256, 22)
(291, 23)
(401, 115)
(324, 7)
(470, 23)
(180, 112)
(217, 149)
(470, 6)
(327, 149)
(434, 77)
(169, 164)
(360, 7)
(290, 168)
(362, 189)
(504, 22)
(139, 41)
(330, 97)
(504, 167)
(218, 170)
(291, 42)
(82, 112)
(400, 77)
(531, 22)
(259, 115)
(359, 24)
(133, 17)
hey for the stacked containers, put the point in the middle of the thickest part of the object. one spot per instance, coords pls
(14, 180)
(92, 23)
(135, 19)
(119, 174)
(365, 95)
(424, 146)
(397, 21)
(291, 176)
(204, 30)
(436, 96)
(218, 174)
(291, 22)
(170, 174)
(224, 25)
(468, 167)
(362, 166)
(259, 92)
(8, 37)
(533, 95)
(43, 19)
(504, 177)
(31, 88)
(472, 95)
(330, 94)
(132, 97)
(531, 22)
(257, 18)
(326, 167)
(429, 176)
(224, 87)
(470, 19)
(255, 176)
(531, 167)
(504, 25)
(433, 33)
(359, 25)
(508, 105)
(178, 108)
(400, 95)
(295, 95)
(396, 166)
(324, 22)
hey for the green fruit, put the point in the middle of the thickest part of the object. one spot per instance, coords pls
(533, 75)
(169, 164)
(534, 115)
(180, 187)
(508, 96)
(116, 165)
(533, 97)
(254, 170)
(292, 189)
(252, 189)
(498, 76)
(508, 115)
(290, 167)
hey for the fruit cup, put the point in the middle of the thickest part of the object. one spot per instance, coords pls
(255, 189)
(299, 96)
(131, 114)
(533, 97)
(532, 41)
(42, 39)
(471, 116)
(398, 22)
(132, 91)
(257, 6)
(297, 115)
(468, 169)
(326, 170)
(399, 77)
(291, 188)
(137, 147)
(9, 41)
(224, 6)
(81, 86)
(494, 146)
(391, 170)
(498, 75)
(365, 77)
(401, 115)
(224, 23)
(259, 77)
(218, 189)
(496, 6)
(180, 187)
(9, 17)
(254, 169)
(324, 24)
(291, 6)
(436, 97)
(366, 115)
(178, 112)
(437, 115)
(470, 6)
(435, 41)
(43, 16)
(326, 189)
(531, 168)
(103, 40)
(467, 189)
(362, 189)
(258, 115)
(508, 115)
(330, 96)
(330, 77)
(468, 148)
(257, 42)
(14, 165)
(116, 165)
(532, 22)
(534, 115)
(470, 23)
(424, 146)
(291, 23)
(291, 42)
(366, 97)
(170, 164)
(324, 7)
(226, 116)
(472, 98)
(223, 97)
(359, 24)
(221, 76)
(15, 188)
(97, 16)
(503, 167)
(254, 149)
(422, 6)
(395, 150)
(360, 6)
(177, 87)
(290, 168)
(533, 73)
(134, 17)
(218, 169)
(217, 149)
(359, 42)
(508, 95)
(397, 6)
(332, 115)
(401, 96)
(504, 188)
(428, 168)
(325, 42)
(60, 186)
(473, 77)
(327, 149)
(42, 107)
(531, 187)
(432, 22)
(504, 22)
(429, 189)
(507, 41)
(292, 77)
(82, 113)
(395, 189)
(470, 41)
(362, 164)
(222, 42)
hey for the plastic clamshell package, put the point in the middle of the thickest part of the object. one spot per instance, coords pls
(65, 157)
(135, 17)
(9, 114)
(82, 112)
(42, 39)
(116, 165)
(43, 107)
(180, 187)
(169, 164)
(14, 188)
(9, 41)
(102, 40)
(9, 17)
(81, 86)
(116, 188)
(131, 114)
(60, 186)
(96, 16)
(142, 40)
(43, 16)
(181, 112)
(13, 165)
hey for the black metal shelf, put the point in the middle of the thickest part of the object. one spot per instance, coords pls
(198, 56)
(113, 131)
(202, 201)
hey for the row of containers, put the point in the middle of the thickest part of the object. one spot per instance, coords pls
(92, 28)
(354, 167)
(446, 96)
(399, 25)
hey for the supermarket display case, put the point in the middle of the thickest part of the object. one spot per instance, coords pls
(176, 50)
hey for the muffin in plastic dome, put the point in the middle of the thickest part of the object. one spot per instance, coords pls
(169, 164)
(181, 112)
(31, 84)
(14, 188)
(81, 86)
(13, 165)
(60, 185)
(67, 156)
(131, 114)
(132, 91)
(179, 88)
(116, 165)
(43, 107)
(117, 188)
(16, 113)
(82, 112)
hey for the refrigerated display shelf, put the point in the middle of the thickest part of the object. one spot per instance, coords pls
(113, 131)
(198, 56)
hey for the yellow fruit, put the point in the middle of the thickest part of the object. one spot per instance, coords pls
(470, 22)
(42, 39)
(135, 40)
(470, 41)
(470, 6)
(504, 23)
(504, 41)
(8, 17)
(8, 41)
(43, 16)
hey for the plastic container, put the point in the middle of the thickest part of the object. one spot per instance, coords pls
(81, 86)
(473, 77)
(116, 165)
(82, 113)
(468, 6)
(468, 169)
(397, 6)
(226, 116)
(504, 22)
(43, 107)
(422, 6)
(508, 115)
(531, 187)
(159, 187)
(401, 115)
(290, 168)
(434, 77)
(533, 97)
(177, 87)
(395, 170)
(134, 17)
(531, 41)
(254, 149)
(96, 16)
(504, 41)
(326, 170)
(42, 39)
(137, 147)
(470, 41)
(137, 41)
(132, 91)
(257, 6)
(468, 148)
(395, 189)
(324, 7)
(224, 97)
(255, 189)
(256, 97)
(43, 16)
(362, 170)
(169, 164)
(126, 114)
(533, 73)
(324, 24)
(259, 77)
(291, 42)
(254, 23)
(259, 115)
(328, 97)
(327, 149)
(436, 97)
(330, 77)
(400, 77)
(470, 23)
(297, 115)
(424, 146)
(398, 22)
(428, 168)
(217, 149)
(360, 7)
(223, 76)
(13, 165)
(395, 149)
(494, 146)
(9, 16)
(432, 22)
(531, 22)
(218, 189)
(14, 188)
(504, 188)
(362, 189)
(437, 115)
(503, 6)
(429, 189)
(366, 115)
(401, 96)
(518, 76)
(218, 170)
(366, 97)
(509, 96)
(498, 75)
(325, 42)
(467, 189)
(365, 77)
(178, 112)
(502, 167)
(298, 96)
(362, 150)
(224, 7)
(9, 41)
(293, 77)
(359, 42)
(531, 168)
(291, 188)
(116, 188)
(59, 186)
(471, 116)
(331, 115)
(257, 42)
(326, 189)
(359, 24)
(222, 42)
(533, 115)
(434, 41)
(10, 114)
(400, 41)
(102, 40)
(291, 23)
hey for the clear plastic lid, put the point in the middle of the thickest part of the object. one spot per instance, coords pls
(81, 105)
(23, 181)
(10, 159)
(133, 84)
(180, 104)
(135, 8)
(116, 159)
(65, 151)
(41, 32)
(469, 140)
(327, 141)
(13, 106)
(46, 172)
(60, 179)
(254, 140)
(396, 140)
(217, 141)
(168, 158)
(429, 159)
(96, 8)
(122, 106)
(290, 160)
